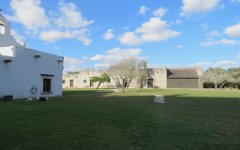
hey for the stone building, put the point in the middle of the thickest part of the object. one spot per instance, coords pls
(156, 78)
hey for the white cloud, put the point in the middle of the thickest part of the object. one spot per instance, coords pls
(54, 35)
(235, 1)
(214, 34)
(71, 64)
(211, 42)
(126, 28)
(66, 23)
(238, 56)
(69, 25)
(70, 17)
(29, 13)
(160, 12)
(113, 55)
(218, 64)
(212, 38)
(130, 38)
(56, 48)
(19, 38)
(108, 35)
(198, 6)
(164, 66)
(179, 46)
(154, 30)
(225, 64)
(233, 31)
(97, 57)
(143, 10)
(124, 52)
(216, 38)
(85, 58)
(202, 65)
(178, 21)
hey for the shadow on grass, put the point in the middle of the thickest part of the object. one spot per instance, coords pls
(75, 92)
(106, 121)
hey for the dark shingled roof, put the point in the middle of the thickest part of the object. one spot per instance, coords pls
(188, 73)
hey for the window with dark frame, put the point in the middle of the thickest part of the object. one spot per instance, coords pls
(63, 81)
(71, 83)
(47, 85)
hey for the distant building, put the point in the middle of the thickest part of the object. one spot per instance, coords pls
(184, 78)
(25, 72)
(156, 78)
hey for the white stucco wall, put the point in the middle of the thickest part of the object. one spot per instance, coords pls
(6, 38)
(25, 71)
(7, 51)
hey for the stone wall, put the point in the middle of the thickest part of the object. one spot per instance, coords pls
(160, 78)
(82, 79)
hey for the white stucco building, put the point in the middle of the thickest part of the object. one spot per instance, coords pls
(25, 72)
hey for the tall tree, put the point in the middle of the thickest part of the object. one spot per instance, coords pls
(217, 76)
(123, 72)
(235, 75)
(142, 72)
(101, 79)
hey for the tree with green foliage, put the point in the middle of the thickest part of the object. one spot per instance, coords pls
(123, 72)
(235, 75)
(101, 79)
(217, 76)
(142, 72)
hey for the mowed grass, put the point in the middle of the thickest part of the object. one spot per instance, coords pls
(90, 119)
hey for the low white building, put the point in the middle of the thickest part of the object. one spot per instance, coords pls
(25, 72)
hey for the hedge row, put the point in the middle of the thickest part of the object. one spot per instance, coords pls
(227, 85)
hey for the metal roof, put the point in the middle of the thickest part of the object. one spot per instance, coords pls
(188, 73)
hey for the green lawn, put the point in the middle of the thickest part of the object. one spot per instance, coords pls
(101, 120)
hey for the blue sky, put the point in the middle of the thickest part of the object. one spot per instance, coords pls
(94, 34)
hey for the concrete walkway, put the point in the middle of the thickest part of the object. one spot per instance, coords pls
(159, 99)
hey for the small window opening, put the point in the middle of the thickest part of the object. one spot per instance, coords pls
(71, 83)
(2, 29)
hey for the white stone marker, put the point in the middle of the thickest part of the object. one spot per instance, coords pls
(159, 99)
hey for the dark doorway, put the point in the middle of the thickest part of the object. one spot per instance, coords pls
(47, 85)
(91, 83)
(150, 83)
(71, 83)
